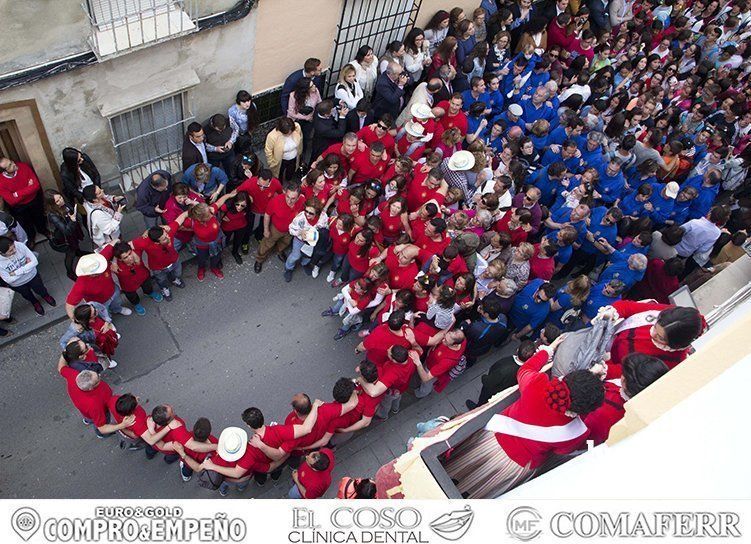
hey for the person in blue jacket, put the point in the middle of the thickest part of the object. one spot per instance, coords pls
(535, 108)
(591, 149)
(495, 97)
(566, 152)
(611, 182)
(476, 93)
(627, 268)
(602, 294)
(512, 117)
(679, 214)
(636, 203)
(663, 201)
(548, 179)
(531, 307)
(708, 191)
(572, 128)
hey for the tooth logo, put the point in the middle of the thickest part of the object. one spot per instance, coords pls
(454, 525)
(25, 522)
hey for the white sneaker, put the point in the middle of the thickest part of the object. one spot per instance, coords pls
(113, 363)
(316, 271)
(331, 276)
(125, 311)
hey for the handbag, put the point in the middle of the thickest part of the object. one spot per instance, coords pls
(210, 479)
(6, 302)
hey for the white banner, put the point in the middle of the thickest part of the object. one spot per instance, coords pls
(373, 522)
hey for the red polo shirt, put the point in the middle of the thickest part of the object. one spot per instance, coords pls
(159, 256)
(139, 426)
(442, 358)
(21, 188)
(316, 482)
(96, 288)
(400, 277)
(396, 376)
(368, 135)
(261, 197)
(339, 240)
(449, 121)
(364, 169)
(378, 342)
(345, 160)
(92, 404)
(327, 412)
(281, 214)
(366, 407)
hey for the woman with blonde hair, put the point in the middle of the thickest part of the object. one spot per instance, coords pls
(568, 299)
(348, 89)
(450, 143)
(499, 53)
(517, 268)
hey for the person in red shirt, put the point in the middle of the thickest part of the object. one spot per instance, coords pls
(22, 192)
(361, 251)
(280, 212)
(402, 266)
(234, 222)
(402, 166)
(659, 330)
(137, 434)
(95, 283)
(393, 214)
(449, 114)
(190, 460)
(393, 379)
(313, 477)
(89, 394)
(434, 240)
(159, 243)
(426, 188)
(132, 275)
(362, 415)
(517, 223)
(208, 238)
(395, 332)
(500, 457)
(345, 151)
(378, 132)
(180, 201)
(542, 263)
(340, 233)
(639, 372)
(368, 164)
(163, 416)
(440, 361)
(316, 185)
(660, 281)
(261, 190)
(277, 441)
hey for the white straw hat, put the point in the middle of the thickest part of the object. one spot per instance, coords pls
(232, 444)
(516, 109)
(91, 264)
(416, 130)
(461, 160)
(421, 111)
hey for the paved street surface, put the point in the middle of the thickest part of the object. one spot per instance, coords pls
(216, 349)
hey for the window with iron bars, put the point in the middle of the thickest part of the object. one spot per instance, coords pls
(150, 138)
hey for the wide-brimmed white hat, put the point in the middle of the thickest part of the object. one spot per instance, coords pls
(671, 189)
(232, 444)
(461, 160)
(416, 130)
(516, 109)
(421, 111)
(91, 264)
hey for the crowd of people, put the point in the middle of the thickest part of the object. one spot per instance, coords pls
(507, 174)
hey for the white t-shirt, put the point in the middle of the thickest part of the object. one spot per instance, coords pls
(290, 149)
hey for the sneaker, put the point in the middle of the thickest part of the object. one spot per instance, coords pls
(113, 363)
(287, 275)
(245, 249)
(218, 273)
(471, 405)
(4, 332)
(135, 447)
(186, 478)
(38, 308)
(238, 259)
(224, 489)
(177, 282)
(166, 294)
(49, 300)
(140, 310)
(156, 296)
(396, 410)
(330, 277)
(87, 422)
(257, 267)
(341, 333)
(316, 270)
(125, 311)
(201, 274)
(328, 312)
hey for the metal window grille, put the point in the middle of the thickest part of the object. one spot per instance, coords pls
(150, 137)
(373, 22)
(119, 26)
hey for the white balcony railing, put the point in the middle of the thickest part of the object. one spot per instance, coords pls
(122, 26)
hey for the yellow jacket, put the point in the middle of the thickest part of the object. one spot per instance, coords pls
(274, 148)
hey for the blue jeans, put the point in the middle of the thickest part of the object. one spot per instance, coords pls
(348, 273)
(296, 254)
(114, 304)
(294, 492)
(337, 261)
(166, 275)
(151, 221)
(204, 258)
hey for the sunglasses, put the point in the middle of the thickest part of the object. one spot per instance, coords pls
(309, 212)
(382, 127)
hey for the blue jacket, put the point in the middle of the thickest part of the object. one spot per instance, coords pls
(388, 97)
(147, 198)
(217, 177)
(289, 86)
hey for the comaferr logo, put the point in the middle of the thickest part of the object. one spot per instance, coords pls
(454, 525)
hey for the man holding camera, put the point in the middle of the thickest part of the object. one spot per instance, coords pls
(104, 215)
(390, 91)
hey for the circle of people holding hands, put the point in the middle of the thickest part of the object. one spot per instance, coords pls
(510, 173)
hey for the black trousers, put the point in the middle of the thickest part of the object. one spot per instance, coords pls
(225, 163)
(258, 230)
(238, 238)
(147, 287)
(31, 217)
(27, 290)
(287, 170)
(587, 262)
(501, 375)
